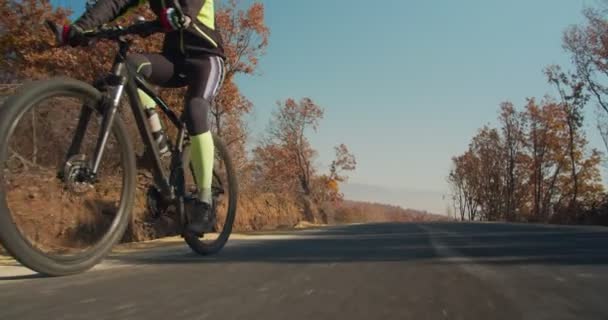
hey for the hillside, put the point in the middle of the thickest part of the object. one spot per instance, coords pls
(406, 197)
(361, 211)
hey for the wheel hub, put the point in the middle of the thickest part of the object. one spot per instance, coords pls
(77, 175)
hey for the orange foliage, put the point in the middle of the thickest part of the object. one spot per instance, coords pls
(283, 162)
(524, 170)
(246, 36)
(286, 154)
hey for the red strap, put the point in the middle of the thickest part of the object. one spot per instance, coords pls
(164, 21)
(65, 33)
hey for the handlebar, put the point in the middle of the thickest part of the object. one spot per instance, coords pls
(179, 10)
(143, 29)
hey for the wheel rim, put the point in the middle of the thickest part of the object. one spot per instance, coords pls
(51, 216)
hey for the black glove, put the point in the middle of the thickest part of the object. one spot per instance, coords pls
(71, 35)
(171, 21)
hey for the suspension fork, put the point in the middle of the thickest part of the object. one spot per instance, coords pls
(109, 109)
(87, 109)
(83, 121)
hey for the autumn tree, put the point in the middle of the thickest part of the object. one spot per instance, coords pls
(328, 185)
(588, 49)
(245, 33)
(455, 181)
(602, 126)
(344, 162)
(523, 171)
(486, 146)
(479, 177)
(285, 157)
(512, 130)
(545, 136)
(288, 129)
(537, 165)
(463, 180)
(245, 36)
(26, 44)
(573, 99)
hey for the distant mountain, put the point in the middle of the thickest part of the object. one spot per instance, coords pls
(430, 201)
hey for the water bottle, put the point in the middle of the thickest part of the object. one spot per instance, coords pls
(157, 131)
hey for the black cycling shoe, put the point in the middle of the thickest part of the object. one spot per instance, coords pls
(202, 218)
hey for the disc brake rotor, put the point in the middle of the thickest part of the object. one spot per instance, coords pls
(77, 175)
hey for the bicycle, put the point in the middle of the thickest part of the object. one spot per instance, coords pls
(79, 172)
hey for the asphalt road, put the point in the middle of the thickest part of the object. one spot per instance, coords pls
(383, 271)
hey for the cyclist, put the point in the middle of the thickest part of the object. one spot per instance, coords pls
(192, 55)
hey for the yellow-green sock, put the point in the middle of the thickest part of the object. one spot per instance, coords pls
(146, 100)
(202, 157)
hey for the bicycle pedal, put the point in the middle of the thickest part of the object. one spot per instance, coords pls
(155, 203)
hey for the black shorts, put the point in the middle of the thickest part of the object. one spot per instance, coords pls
(202, 74)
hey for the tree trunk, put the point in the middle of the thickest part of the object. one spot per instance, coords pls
(549, 194)
(571, 131)
(307, 206)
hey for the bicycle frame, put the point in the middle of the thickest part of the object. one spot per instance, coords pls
(125, 80)
(82, 171)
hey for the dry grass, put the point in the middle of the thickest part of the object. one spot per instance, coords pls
(267, 211)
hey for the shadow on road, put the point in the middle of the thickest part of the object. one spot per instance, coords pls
(23, 277)
(481, 243)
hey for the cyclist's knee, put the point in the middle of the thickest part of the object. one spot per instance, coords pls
(142, 65)
(197, 110)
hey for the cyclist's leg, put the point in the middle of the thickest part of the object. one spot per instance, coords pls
(205, 75)
(160, 70)
(156, 68)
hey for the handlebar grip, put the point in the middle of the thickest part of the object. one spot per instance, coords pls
(55, 30)
(52, 26)
(178, 9)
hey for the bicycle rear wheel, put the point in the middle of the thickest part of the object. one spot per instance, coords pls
(54, 219)
(225, 193)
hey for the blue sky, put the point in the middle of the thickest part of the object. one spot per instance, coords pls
(406, 84)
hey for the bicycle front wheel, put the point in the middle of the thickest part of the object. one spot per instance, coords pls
(55, 218)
